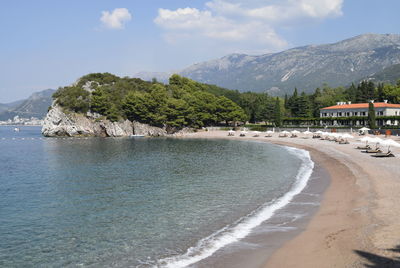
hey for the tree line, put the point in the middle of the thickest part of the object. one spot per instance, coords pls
(187, 103)
(181, 103)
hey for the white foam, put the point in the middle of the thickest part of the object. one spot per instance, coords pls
(240, 229)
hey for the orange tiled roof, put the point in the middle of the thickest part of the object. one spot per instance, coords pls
(362, 106)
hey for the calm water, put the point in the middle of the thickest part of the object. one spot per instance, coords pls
(128, 202)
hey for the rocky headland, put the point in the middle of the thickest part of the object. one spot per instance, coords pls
(61, 123)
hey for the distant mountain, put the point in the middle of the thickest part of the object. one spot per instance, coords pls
(35, 106)
(390, 74)
(8, 106)
(305, 67)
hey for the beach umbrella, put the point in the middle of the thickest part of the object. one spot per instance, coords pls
(390, 142)
(347, 136)
(375, 140)
(295, 132)
(365, 139)
(285, 132)
(364, 129)
(307, 132)
(319, 132)
(269, 132)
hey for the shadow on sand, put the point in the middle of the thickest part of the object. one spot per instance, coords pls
(376, 261)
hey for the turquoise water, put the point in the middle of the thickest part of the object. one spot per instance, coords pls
(129, 202)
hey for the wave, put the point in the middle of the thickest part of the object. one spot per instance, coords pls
(241, 228)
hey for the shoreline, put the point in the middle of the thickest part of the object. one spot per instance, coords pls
(352, 226)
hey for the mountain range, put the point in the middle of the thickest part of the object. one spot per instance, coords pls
(34, 106)
(306, 68)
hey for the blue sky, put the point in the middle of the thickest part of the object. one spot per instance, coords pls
(47, 43)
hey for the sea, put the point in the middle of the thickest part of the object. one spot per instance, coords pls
(137, 202)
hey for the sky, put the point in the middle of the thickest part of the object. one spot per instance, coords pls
(49, 44)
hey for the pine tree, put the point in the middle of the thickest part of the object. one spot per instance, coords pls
(303, 106)
(380, 92)
(370, 90)
(293, 103)
(352, 93)
(277, 113)
(371, 116)
(285, 103)
(315, 102)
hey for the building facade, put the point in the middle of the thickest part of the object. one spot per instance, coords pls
(348, 114)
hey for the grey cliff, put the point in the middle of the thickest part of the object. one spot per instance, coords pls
(59, 123)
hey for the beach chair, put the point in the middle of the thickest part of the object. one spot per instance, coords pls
(366, 147)
(387, 154)
(373, 151)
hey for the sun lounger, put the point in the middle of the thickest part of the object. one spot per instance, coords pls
(366, 147)
(372, 151)
(344, 142)
(388, 154)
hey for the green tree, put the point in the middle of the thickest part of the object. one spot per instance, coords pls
(303, 106)
(229, 111)
(293, 103)
(371, 116)
(380, 92)
(277, 113)
(73, 98)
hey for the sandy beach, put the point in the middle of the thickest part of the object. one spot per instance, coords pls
(357, 223)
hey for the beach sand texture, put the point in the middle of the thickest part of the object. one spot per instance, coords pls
(358, 222)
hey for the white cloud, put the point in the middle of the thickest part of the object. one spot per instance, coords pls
(244, 21)
(185, 22)
(283, 11)
(115, 19)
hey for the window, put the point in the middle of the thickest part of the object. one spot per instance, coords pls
(356, 113)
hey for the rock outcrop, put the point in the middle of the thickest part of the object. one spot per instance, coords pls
(60, 123)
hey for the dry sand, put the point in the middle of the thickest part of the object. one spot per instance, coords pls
(358, 222)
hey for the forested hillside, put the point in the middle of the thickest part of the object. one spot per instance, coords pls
(186, 103)
(182, 103)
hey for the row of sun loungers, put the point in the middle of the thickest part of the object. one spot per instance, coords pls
(376, 152)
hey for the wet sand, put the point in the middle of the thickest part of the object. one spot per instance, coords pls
(357, 222)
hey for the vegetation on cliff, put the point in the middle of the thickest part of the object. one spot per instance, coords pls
(182, 103)
(186, 103)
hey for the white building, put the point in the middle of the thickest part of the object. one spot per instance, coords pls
(346, 110)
